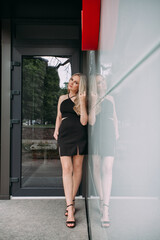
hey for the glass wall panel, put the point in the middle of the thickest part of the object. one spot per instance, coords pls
(124, 126)
(44, 79)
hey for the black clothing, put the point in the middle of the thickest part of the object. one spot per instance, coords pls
(103, 131)
(72, 138)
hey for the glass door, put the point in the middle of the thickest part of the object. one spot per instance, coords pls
(44, 79)
(39, 80)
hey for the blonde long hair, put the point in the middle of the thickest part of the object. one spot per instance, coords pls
(82, 89)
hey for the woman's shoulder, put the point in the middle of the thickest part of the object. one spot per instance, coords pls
(63, 97)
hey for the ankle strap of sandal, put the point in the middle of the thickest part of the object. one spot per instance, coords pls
(70, 205)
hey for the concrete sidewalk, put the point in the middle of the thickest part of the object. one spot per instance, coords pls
(40, 219)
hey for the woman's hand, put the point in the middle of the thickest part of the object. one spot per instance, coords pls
(83, 110)
(55, 135)
(93, 98)
(82, 97)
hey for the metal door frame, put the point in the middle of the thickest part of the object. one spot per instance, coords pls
(5, 108)
(17, 54)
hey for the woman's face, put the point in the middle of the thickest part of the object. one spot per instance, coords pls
(73, 84)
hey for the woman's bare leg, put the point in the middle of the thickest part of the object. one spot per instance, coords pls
(97, 175)
(67, 171)
(107, 166)
(77, 173)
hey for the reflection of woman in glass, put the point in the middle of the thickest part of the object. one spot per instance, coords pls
(104, 134)
(71, 133)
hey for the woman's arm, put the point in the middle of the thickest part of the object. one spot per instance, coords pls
(114, 116)
(115, 120)
(92, 111)
(58, 119)
(116, 123)
(83, 109)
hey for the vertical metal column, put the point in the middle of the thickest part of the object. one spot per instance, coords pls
(5, 109)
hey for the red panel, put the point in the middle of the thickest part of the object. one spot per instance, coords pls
(90, 17)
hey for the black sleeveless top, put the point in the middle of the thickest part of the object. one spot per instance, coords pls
(72, 138)
(66, 108)
(103, 131)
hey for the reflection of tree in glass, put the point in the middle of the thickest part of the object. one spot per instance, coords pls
(51, 95)
(40, 90)
(34, 71)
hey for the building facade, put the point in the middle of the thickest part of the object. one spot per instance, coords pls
(40, 49)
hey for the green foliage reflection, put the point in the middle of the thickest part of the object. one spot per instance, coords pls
(40, 91)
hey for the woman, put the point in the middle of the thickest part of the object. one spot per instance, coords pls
(104, 123)
(71, 133)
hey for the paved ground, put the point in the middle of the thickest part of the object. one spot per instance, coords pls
(40, 219)
(43, 219)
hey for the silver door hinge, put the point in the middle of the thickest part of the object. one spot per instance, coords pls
(14, 121)
(14, 179)
(14, 92)
(15, 64)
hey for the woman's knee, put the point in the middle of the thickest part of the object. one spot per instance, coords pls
(77, 164)
(77, 167)
(67, 166)
(96, 163)
(108, 165)
(67, 169)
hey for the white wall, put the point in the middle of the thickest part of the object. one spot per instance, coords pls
(129, 59)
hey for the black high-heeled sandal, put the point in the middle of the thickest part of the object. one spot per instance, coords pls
(71, 222)
(105, 224)
(66, 212)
